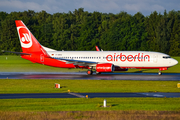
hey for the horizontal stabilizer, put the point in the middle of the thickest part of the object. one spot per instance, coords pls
(20, 53)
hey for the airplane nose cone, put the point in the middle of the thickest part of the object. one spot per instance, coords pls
(174, 62)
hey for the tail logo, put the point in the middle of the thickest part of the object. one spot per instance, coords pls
(25, 37)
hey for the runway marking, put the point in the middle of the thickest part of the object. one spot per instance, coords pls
(152, 95)
(77, 95)
(157, 95)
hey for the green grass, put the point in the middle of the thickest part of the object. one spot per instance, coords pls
(17, 64)
(91, 104)
(83, 86)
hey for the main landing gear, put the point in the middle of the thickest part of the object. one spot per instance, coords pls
(90, 72)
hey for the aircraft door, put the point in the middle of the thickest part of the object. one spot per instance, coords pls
(42, 58)
(155, 58)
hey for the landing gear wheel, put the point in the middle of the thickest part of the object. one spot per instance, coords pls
(159, 73)
(89, 72)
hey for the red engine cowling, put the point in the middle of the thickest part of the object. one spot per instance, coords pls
(104, 67)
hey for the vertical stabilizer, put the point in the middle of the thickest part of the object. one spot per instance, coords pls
(28, 42)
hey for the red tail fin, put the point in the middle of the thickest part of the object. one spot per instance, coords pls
(28, 42)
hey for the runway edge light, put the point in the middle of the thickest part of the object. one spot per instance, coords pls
(178, 85)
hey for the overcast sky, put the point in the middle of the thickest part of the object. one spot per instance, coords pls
(104, 6)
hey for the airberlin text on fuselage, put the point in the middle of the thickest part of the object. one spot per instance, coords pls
(130, 58)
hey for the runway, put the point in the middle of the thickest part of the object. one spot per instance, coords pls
(90, 95)
(84, 76)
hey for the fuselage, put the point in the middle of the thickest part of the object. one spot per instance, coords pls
(124, 59)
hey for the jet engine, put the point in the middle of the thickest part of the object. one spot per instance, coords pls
(106, 67)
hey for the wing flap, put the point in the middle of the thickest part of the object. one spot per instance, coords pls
(78, 62)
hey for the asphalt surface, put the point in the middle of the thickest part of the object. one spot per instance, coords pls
(82, 76)
(90, 95)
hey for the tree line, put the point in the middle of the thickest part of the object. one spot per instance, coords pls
(82, 30)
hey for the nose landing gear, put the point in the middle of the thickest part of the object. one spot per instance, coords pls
(159, 73)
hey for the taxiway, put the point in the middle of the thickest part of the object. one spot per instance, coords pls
(90, 95)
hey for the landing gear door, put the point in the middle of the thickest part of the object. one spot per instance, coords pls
(155, 58)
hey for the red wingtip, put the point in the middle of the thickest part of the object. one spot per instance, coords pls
(97, 49)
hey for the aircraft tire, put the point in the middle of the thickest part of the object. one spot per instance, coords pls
(89, 72)
(159, 73)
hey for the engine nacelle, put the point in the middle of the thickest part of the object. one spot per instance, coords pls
(107, 67)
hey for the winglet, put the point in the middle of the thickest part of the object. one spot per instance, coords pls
(97, 49)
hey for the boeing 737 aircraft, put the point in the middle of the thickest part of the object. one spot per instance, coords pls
(100, 61)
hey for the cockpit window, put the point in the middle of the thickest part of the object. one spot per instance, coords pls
(166, 57)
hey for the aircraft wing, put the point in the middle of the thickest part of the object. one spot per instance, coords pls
(78, 62)
(20, 53)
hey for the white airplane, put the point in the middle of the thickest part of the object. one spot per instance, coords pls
(100, 61)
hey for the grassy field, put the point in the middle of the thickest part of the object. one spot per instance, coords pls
(90, 109)
(90, 104)
(82, 104)
(86, 86)
(14, 63)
